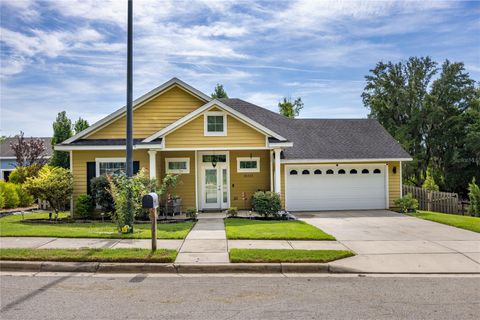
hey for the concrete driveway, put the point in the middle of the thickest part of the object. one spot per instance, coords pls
(386, 241)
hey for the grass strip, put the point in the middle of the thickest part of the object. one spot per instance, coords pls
(454, 220)
(89, 255)
(240, 229)
(286, 255)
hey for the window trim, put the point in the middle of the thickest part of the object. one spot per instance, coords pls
(177, 171)
(240, 159)
(205, 124)
(106, 160)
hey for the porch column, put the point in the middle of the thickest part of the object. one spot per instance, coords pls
(277, 182)
(153, 163)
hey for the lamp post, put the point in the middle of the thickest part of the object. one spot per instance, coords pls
(129, 125)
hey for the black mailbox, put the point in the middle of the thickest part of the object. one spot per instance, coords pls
(150, 201)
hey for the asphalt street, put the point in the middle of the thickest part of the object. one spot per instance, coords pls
(77, 296)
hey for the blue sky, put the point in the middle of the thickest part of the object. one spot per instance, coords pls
(71, 54)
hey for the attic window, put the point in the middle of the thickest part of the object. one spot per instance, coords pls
(293, 172)
(215, 124)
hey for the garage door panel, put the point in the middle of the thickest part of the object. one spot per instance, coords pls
(335, 191)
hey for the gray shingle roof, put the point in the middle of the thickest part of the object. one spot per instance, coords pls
(110, 142)
(6, 150)
(325, 138)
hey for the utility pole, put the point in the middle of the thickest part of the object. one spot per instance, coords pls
(129, 126)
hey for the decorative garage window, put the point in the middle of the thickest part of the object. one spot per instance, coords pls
(341, 171)
(365, 171)
(110, 166)
(293, 172)
(329, 171)
(248, 164)
(177, 165)
(377, 171)
(215, 124)
(353, 171)
(305, 172)
(318, 171)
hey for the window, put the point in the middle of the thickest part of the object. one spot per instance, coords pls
(305, 172)
(377, 171)
(215, 124)
(365, 171)
(110, 166)
(212, 157)
(329, 171)
(293, 172)
(341, 171)
(177, 165)
(353, 171)
(248, 164)
(317, 171)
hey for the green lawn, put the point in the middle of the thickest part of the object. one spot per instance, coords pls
(273, 230)
(463, 222)
(83, 255)
(12, 226)
(286, 255)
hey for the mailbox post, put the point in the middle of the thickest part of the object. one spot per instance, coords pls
(150, 202)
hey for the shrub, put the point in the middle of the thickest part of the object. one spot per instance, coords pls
(53, 184)
(101, 193)
(25, 199)
(2, 200)
(232, 212)
(407, 203)
(430, 183)
(191, 213)
(121, 187)
(20, 174)
(84, 206)
(474, 197)
(266, 203)
(9, 191)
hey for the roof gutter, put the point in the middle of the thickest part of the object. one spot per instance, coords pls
(343, 160)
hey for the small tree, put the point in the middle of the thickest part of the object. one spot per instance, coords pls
(474, 197)
(101, 193)
(29, 153)
(53, 184)
(62, 130)
(219, 92)
(429, 182)
(84, 206)
(290, 109)
(80, 125)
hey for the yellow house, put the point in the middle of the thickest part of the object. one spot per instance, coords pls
(226, 149)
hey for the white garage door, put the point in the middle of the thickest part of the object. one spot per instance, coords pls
(324, 187)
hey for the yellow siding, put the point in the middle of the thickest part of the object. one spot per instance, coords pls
(393, 180)
(192, 135)
(248, 182)
(394, 191)
(152, 116)
(80, 159)
(186, 186)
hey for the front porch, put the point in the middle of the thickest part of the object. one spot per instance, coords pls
(217, 179)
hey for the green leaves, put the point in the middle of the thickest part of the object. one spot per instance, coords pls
(290, 109)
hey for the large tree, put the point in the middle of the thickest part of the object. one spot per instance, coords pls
(219, 92)
(289, 108)
(429, 111)
(62, 130)
(28, 152)
(80, 125)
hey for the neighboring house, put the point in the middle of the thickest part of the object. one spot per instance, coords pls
(227, 149)
(7, 156)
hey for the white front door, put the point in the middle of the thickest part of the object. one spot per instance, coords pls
(214, 182)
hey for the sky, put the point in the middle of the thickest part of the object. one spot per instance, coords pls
(71, 54)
